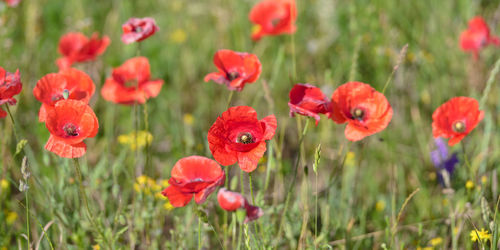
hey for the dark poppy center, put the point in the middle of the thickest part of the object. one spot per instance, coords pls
(138, 29)
(245, 138)
(275, 22)
(358, 113)
(459, 127)
(131, 83)
(233, 75)
(70, 129)
(57, 97)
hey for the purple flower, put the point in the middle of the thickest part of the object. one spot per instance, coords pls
(442, 160)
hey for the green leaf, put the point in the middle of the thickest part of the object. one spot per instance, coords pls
(317, 157)
(20, 146)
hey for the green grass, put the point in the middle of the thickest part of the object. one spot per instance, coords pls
(383, 169)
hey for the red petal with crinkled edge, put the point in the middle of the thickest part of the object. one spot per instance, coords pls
(176, 197)
(273, 17)
(65, 150)
(248, 161)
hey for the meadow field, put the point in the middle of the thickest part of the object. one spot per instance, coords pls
(316, 189)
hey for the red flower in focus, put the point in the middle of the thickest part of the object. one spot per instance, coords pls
(131, 83)
(238, 136)
(273, 17)
(138, 29)
(456, 118)
(76, 47)
(10, 85)
(235, 69)
(477, 36)
(365, 110)
(308, 100)
(12, 3)
(69, 123)
(52, 88)
(231, 201)
(193, 175)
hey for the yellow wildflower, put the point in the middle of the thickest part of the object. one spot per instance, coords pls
(188, 119)
(484, 179)
(436, 241)
(96, 247)
(178, 36)
(143, 138)
(4, 184)
(432, 176)
(350, 159)
(481, 235)
(425, 248)
(168, 206)
(469, 185)
(11, 217)
(380, 205)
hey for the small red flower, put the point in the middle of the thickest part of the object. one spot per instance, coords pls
(69, 123)
(10, 85)
(76, 47)
(456, 118)
(238, 136)
(235, 69)
(231, 201)
(52, 88)
(138, 29)
(131, 83)
(193, 175)
(308, 100)
(365, 110)
(273, 17)
(477, 36)
(12, 3)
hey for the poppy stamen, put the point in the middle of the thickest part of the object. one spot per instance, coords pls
(70, 129)
(358, 114)
(459, 127)
(233, 75)
(245, 138)
(138, 29)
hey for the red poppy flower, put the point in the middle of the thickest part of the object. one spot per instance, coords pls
(456, 118)
(365, 110)
(10, 85)
(138, 29)
(12, 3)
(69, 123)
(193, 175)
(131, 83)
(76, 47)
(477, 36)
(231, 201)
(273, 17)
(52, 87)
(238, 136)
(235, 69)
(308, 100)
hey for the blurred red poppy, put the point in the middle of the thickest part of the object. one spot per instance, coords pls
(52, 87)
(76, 47)
(238, 136)
(193, 175)
(456, 118)
(69, 123)
(235, 69)
(231, 201)
(138, 29)
(130, 83)
(12, 3)
(477, 36)
(365, 110)
(308, 100)
(273, 17)
(10, 85)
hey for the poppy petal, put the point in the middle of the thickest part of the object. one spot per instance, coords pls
(248, 161)
(175, 197)
(65, 150)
